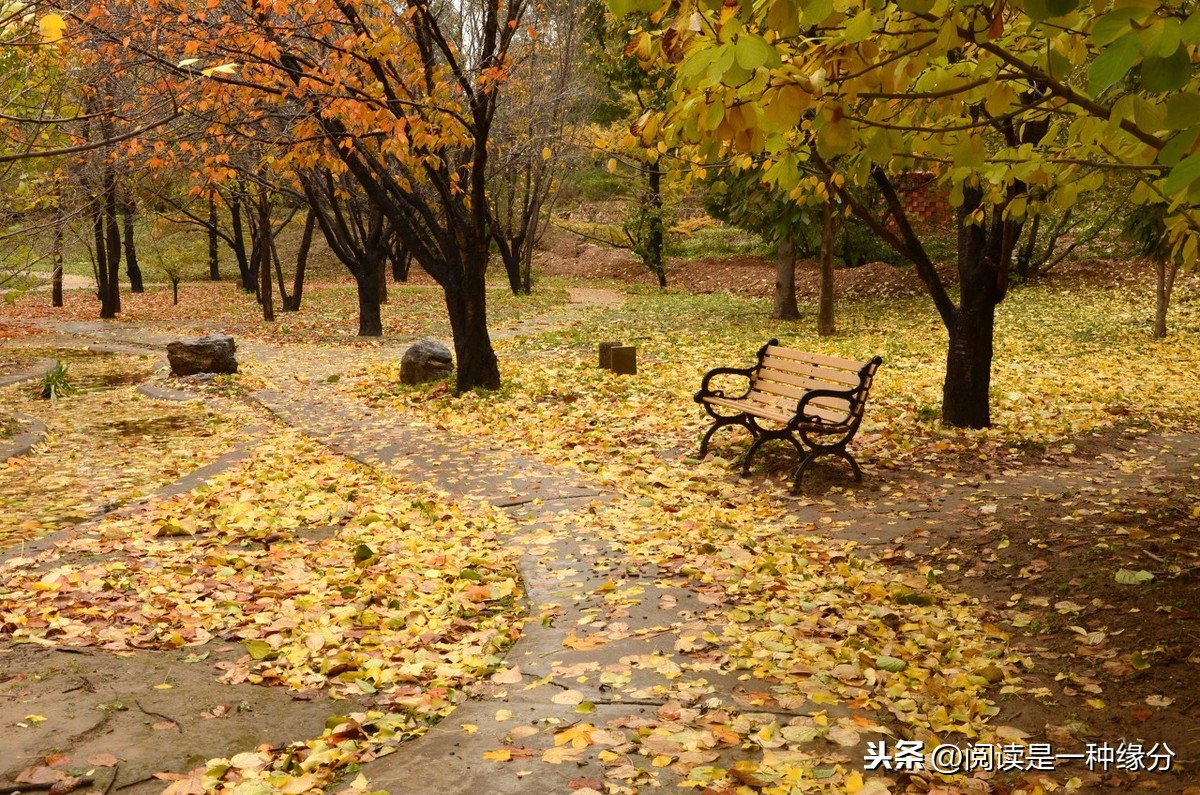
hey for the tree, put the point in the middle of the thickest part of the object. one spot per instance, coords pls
(536, 133)
(1000, 100)
(742, 198)
(402, 97)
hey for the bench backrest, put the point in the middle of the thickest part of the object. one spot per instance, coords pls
(785, 375)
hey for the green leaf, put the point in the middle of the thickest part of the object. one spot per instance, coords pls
(859, 28)
(752, 52)
(363, 553)
(1058, 8)
(885, 663)
(915, 6)
(1113, 64)
(1183, 110)
(1160, 75)
(1178, 147)
(817, 11)
(259, 650)
(1115, 24)
(1127, 577)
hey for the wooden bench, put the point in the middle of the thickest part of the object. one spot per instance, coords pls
(815, 402)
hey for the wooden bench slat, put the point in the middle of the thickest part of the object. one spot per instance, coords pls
(766, 408)
(805, 382)
(836, 362)
(830, 408)
(845, 377)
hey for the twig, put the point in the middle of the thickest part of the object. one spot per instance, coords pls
(61, 786)
(135, 783)
(113, 780)
(154, 715)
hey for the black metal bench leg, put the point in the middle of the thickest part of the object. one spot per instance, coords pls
(808, 459)
(853, 464)
(750, 454)
(708, 436)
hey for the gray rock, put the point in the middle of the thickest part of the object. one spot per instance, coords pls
(209, 354)
(426, 360)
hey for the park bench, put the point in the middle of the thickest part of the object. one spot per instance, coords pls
(815, 402)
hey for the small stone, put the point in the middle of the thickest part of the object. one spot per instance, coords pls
(426, 360)
(213, 353)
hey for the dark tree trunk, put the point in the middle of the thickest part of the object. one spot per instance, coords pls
(825, 320)
(239, 243)
(262, 246)
(175, 290)
(381, 279)
(132, 269)
(467, 307)
(56, 255)
(366, 277)
(98, 243)
(110, 304)
(214, 271)
(965, 392)
(785, 281)
(656, 237)
(401, 261)
(292, 303)
(1165, 270)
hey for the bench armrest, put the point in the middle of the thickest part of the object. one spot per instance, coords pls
(849, 395)
(706, 391)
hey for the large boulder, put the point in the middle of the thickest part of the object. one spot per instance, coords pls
(426, 360)
(209, 354)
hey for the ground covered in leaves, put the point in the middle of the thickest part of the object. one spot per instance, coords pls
(1029, 583)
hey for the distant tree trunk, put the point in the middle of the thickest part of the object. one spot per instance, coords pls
(825, 320)
(292, 303)
(239, 243)
(263, 245)
(214, 272)
(381, 279)
(785, 281)
(401, 261)
(1165, 270)
(56, 255)
(174, 277)
(656, 237)
(131, 259)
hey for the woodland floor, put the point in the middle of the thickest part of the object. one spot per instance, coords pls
(160, 546)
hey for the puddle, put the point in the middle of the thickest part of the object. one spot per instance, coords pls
(165, 425)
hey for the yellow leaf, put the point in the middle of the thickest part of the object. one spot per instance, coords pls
(163, 686)
(469, 728)
(52, 27)
(223, 69)
(547, 154)
(854, 782)
(499, 755)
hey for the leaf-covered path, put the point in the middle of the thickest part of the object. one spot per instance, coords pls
(678, 626)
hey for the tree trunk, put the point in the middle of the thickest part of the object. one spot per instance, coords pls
(381, 279)
(132, 269)
(367, 277)
(825, 320)
(214, 272)
(100, 247)
(785, 281)
(263, 249)
(56, 256)
(239, 243)
(110, 305)
(175, 290)
(292, 304)
(476, 361)
(656, 238)
(1165, 271)
(401, 260)
(965, 392)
